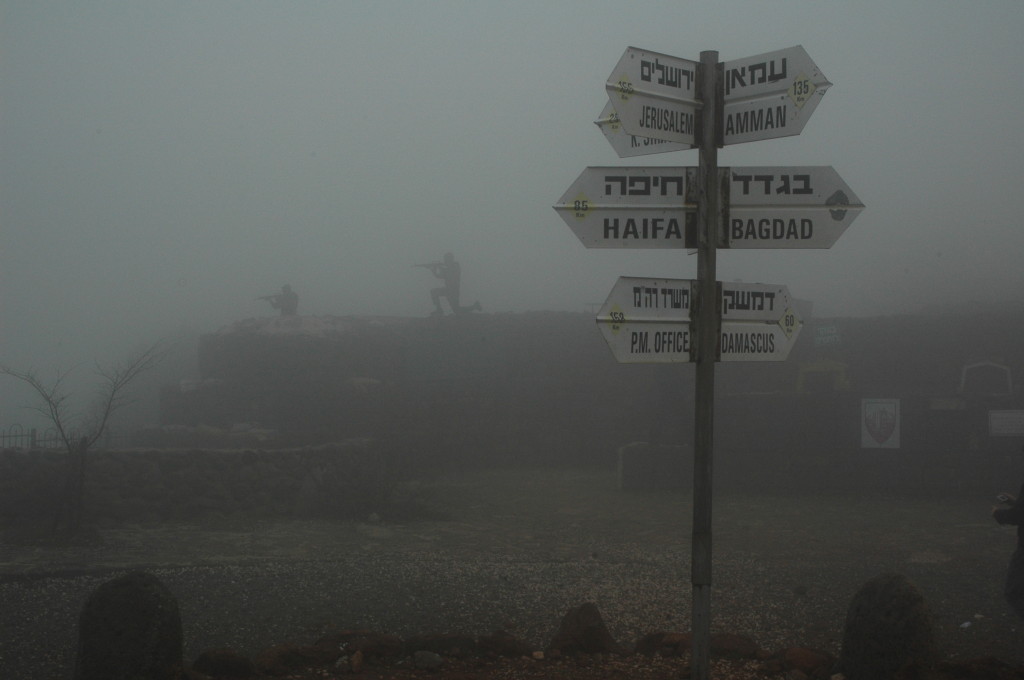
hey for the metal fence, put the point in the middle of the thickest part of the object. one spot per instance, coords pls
(17, 437)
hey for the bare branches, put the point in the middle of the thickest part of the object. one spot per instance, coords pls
(118, 378)
(55, 400)
(54, 407)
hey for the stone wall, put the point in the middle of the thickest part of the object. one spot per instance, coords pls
(345, 480)
(542, 388)
(453, 391)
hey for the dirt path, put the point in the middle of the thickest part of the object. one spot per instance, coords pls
(515, 549)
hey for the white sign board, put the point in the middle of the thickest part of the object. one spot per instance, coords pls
(651, 207)
(618, 207)
(787, 207)
(649, 321)
(655, 95)
(627, 145)
(1006, 423)
(770, 95)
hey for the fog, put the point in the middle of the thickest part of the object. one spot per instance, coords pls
(163, 164)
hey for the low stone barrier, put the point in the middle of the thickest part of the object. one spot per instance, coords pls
(344, 480)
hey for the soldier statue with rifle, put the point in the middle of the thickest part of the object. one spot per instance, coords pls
(450, 273)
(287, 301)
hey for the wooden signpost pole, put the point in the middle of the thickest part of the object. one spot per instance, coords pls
(708, 321)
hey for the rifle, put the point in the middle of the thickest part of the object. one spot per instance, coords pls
(429, 265)
(266, 297)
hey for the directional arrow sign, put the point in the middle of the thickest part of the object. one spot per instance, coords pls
(768, 207)
(616, 207)
(766, 96)
(627, 145)
(649, 321)
(779, 207)
(770, 95)
(654, 95)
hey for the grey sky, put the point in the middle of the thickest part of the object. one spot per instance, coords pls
(161, 164)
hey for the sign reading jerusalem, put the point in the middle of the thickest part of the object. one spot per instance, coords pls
(627, 145)
(655, 96)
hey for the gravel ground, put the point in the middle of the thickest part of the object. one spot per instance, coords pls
(515, 551)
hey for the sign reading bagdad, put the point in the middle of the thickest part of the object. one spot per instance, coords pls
(787, 207)
(649, 321)
(651, 207)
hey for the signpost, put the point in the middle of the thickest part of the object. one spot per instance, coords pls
(656, 207)
(662, 103)
(650, 321)
(709, 216)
